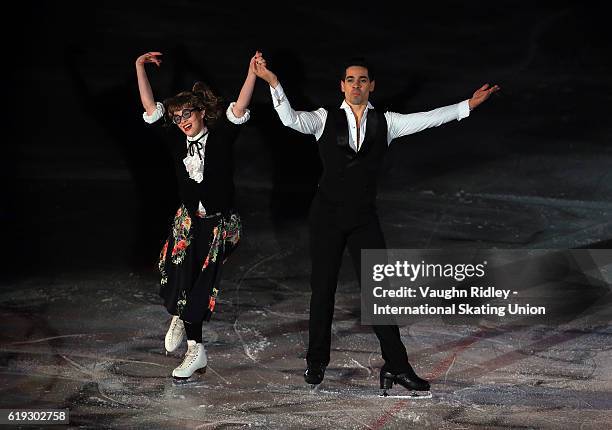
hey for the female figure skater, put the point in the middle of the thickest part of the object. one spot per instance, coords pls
(206, 229)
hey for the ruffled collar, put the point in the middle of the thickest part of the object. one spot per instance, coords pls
(194, 161)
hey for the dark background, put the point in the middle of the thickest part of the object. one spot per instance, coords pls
(86, 185)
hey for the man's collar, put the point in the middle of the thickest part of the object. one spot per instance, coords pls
(344, 105)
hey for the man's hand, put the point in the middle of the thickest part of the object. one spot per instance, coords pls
(261, 70)
(149, 57)
(481, 95)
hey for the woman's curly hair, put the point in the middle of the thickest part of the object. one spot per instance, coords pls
(201, 97)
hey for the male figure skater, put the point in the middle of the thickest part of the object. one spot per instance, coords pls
(352, 140)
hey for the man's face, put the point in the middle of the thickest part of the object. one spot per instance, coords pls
(356, 85)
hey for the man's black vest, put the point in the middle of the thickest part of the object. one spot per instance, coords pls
(351, 177)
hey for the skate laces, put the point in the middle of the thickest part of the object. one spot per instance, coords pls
(190, 356)
(175, 327)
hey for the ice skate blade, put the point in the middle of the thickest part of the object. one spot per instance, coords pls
(182, 382)
(414, 395)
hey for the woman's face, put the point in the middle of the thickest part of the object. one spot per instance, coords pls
(189, 120)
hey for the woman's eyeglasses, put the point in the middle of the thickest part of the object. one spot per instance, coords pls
(185, 114)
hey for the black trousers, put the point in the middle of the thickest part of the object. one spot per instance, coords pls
(332, 228)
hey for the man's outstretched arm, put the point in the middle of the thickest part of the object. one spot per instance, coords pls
(404, 124)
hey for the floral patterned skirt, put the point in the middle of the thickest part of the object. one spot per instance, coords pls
(191, 260)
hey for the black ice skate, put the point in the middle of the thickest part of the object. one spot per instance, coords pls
(314, 374)
(418, 388)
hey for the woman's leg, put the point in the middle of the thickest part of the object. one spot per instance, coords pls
(194, 331)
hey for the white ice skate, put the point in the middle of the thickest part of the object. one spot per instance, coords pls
(175, 334)
(195, 361)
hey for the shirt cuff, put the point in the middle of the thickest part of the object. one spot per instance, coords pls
(157, 114)
(233, 118)
(278, 95)
(464, 110)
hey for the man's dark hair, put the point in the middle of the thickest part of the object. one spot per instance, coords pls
(357, 61)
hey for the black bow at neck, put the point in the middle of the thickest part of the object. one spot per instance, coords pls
(196, 145)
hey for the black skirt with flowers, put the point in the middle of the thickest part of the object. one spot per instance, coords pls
(191, 260)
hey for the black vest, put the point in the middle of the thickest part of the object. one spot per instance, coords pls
(216, 191)
(351, 177)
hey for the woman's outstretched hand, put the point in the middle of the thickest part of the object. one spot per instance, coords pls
(149, 57)
(260, 68)
(254, 60)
